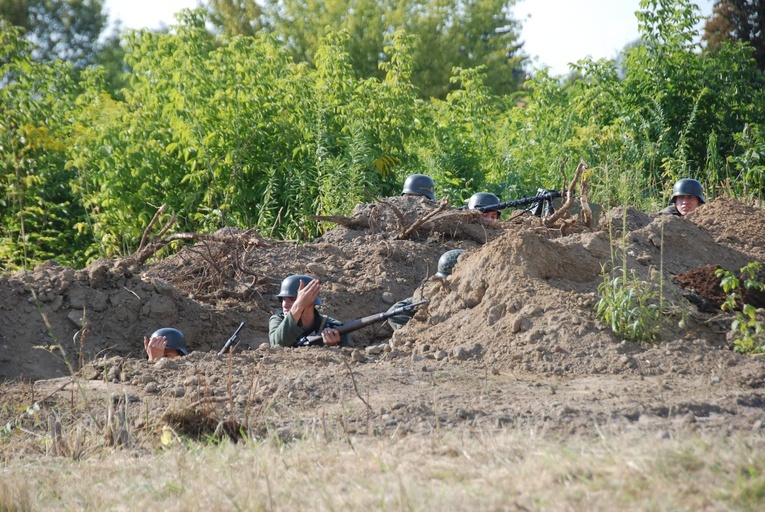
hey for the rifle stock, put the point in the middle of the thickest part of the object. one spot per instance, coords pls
(355, 325)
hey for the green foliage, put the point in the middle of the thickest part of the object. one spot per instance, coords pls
(667, 111)
(37, 102)
(234, 131)
(749, 337)
(236, 17)
(746, 165)
(447, 34)
(737, 20)
(629, 306)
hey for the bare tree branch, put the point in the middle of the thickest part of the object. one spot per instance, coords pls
(569, 196)
(162, 209)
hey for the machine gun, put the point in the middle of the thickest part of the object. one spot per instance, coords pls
(540, 203)
(231, 340)
(355, 325)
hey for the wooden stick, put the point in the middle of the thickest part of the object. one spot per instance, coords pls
(570, 197)
(441, 207)
(162, 209)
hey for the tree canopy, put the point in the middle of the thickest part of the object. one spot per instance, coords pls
(60, 29)
(738, 20)
(448, 34)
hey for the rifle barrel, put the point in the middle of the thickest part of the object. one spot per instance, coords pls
(231, 339)
(360, 323)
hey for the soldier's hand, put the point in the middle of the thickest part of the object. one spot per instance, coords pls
(330, 337)
(155, 347)
(306, 295)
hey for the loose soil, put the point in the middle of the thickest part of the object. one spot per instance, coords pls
(510, 339)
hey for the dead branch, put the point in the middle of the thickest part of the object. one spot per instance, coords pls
(569, 196)
(240, 266)
(170, 222)
(355, 388)
(584, 199)
(162, 209)
(561, 170)
(565, 226)
(400, 220)
(443, 205)
(276, 222)
(147, 252)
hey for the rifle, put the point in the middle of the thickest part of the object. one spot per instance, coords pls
(542, 202)
(355, 325)
(231, 339)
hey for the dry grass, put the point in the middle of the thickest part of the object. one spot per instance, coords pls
(509, 470)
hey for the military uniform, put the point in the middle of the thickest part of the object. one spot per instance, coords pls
(399, 321)
(284, 331)
(670, 210)
(445, 266)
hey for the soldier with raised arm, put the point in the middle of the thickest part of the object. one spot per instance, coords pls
(299, 317)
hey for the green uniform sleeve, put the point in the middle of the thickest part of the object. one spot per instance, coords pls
(283, 331)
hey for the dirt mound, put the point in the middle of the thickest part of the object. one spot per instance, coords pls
(526, 303)
(520, 303)
(733, 224)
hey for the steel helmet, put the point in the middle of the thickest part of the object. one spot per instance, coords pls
(291, 285)
(482, 199)
(447, 261)
(175, 339)
(420, 184)
(688, 187)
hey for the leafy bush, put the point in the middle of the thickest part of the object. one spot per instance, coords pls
(747, 330)
(629, 306)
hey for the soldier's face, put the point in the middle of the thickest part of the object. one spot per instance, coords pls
(170, 353)
(287, 303)
(491, 215)
(686, 204)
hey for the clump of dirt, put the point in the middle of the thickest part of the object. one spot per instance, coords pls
(511, 338)
(703, 287)
(706, 291)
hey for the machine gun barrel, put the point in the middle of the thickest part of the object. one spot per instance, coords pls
(524, 201)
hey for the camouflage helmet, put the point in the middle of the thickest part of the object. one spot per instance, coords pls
(421, 185)
(291, 285)
(175, 339)
(482, 199)
(688, 187)
(447, 261)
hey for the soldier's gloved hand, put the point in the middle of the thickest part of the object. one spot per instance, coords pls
(155, 347)
(330, 337)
